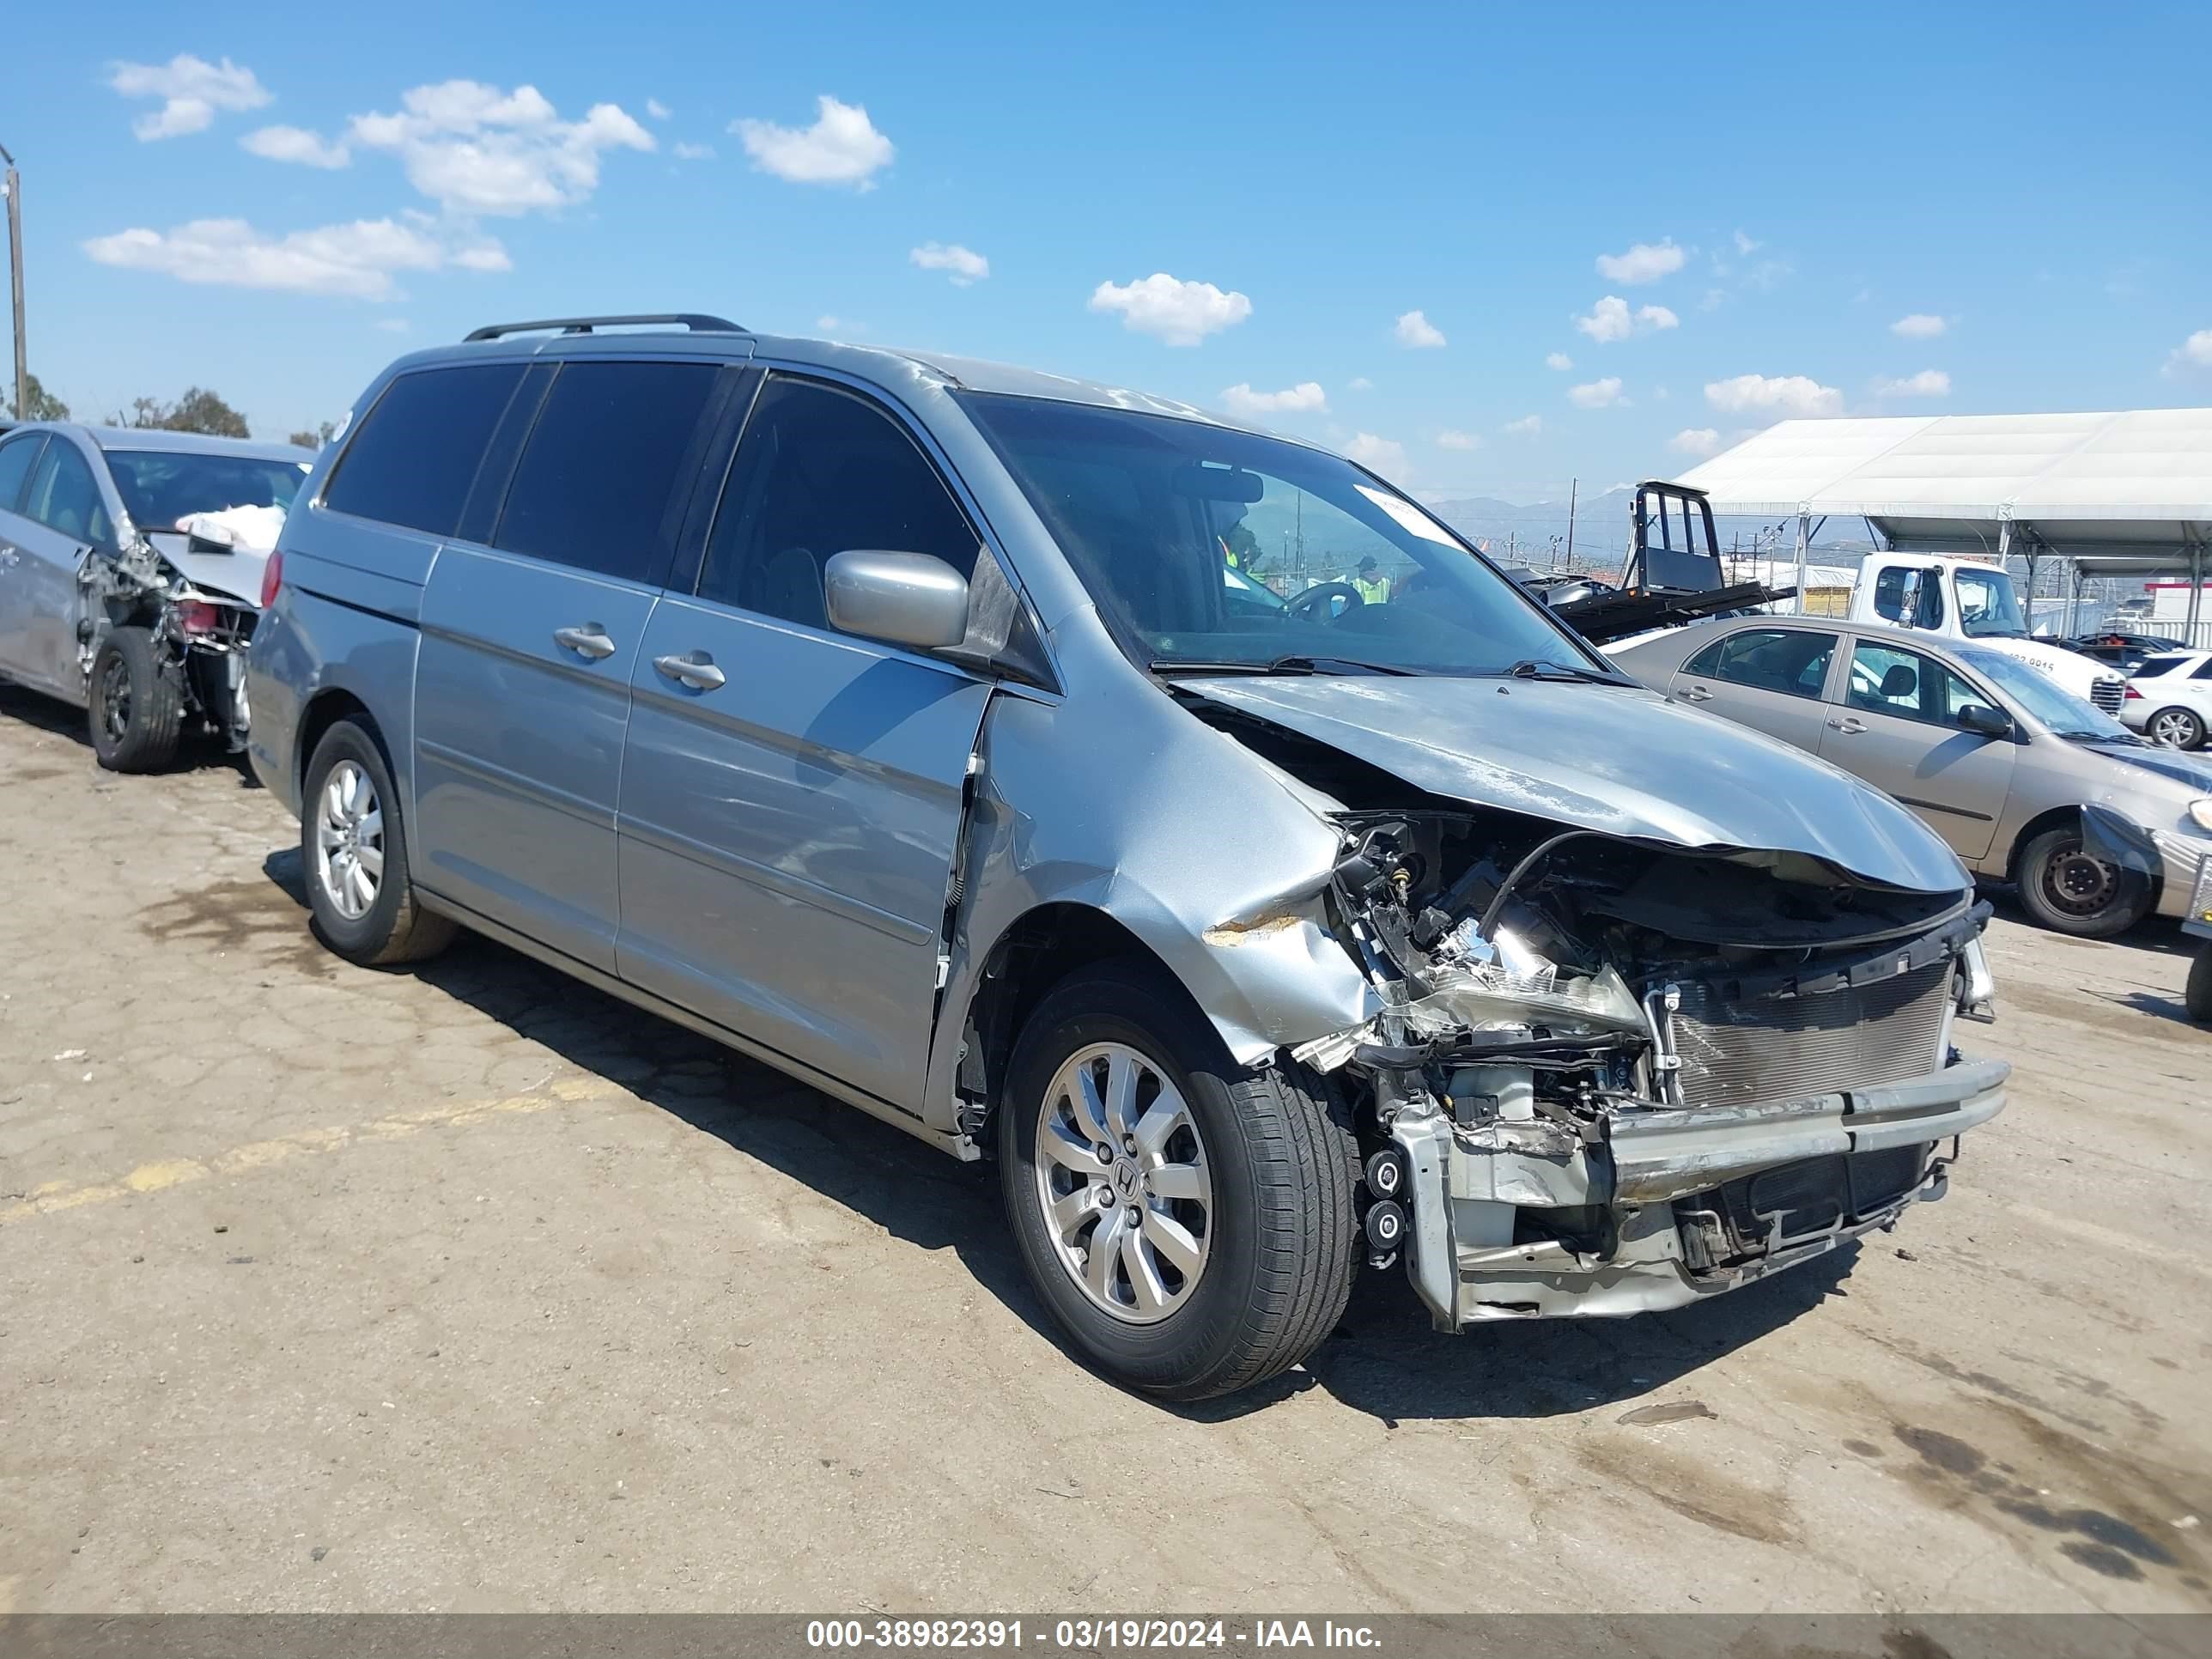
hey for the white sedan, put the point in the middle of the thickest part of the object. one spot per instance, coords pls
(2169, 699)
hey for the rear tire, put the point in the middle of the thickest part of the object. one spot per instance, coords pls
(2198, 999)
(2176, 727)
(353, 853)
(2071, 893)
(135, 704)
(1275, 1229)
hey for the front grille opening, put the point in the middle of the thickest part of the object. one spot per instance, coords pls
(2108, 694)
(1798, 1203)
(1860, 1036)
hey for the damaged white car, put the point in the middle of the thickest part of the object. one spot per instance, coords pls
(1180, 815)
(130, 568)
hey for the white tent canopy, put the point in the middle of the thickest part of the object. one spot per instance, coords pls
(2070, 484)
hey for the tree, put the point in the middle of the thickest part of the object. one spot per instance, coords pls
(39, 404)
(198, 410)
(315, 440)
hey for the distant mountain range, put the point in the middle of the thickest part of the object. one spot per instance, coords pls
(1601, 530)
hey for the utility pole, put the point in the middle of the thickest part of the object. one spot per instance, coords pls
(1574, 486)
(14, 184)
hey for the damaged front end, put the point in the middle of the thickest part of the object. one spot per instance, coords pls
(177, 585)
(1612, 1075)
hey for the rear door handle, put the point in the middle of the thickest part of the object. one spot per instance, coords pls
(589, 641)
(694, 668)
(1697, 694)
(1848, 724)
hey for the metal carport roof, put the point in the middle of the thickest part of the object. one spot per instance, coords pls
(2072, 485)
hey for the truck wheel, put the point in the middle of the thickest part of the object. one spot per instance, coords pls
(136, 705)
(355, 856)
(2069, 892)
(1189, 1225)
(2177, 728)
(2198, 999)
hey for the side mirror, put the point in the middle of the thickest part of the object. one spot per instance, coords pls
(1989, 722)
(907, 599)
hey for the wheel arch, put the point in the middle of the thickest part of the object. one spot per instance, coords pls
(2061, 817)
(325, 709)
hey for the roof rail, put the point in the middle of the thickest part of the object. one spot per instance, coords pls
(696, 321)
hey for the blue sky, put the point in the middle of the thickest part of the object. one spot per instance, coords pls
(1380, 222)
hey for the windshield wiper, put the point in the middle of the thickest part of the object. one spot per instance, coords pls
(1537, 668)
(1279, 665)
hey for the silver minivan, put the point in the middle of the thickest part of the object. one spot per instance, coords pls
(1005, 755)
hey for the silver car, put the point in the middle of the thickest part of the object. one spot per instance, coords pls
(109, 598)
(1993, 755)
(939, 733)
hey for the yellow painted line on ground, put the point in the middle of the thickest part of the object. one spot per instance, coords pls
(59, 1195)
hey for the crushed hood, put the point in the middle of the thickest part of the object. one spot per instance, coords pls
(1623, 762)
(236, 573)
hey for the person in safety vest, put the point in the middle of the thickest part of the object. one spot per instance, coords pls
(1372, 589)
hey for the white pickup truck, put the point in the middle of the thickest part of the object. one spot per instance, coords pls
(1971, 599)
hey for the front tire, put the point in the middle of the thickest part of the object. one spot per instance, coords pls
(135, 705)
(1189, 1225)
(2198, 999)
(354, 855)
(2069, 892)
(2176, 727)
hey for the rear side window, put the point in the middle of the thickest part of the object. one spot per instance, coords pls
(2153, 666)
(15, 458)
(1786, 659)
(603, 481)
(416, 453)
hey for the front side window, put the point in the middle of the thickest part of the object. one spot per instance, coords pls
(1989, 608)
(160, 487)
(65, 496)
(1888, 681)
(1790, 661)
(820, 472)
(416, 454)
(1153, 511)
(602, 484)
(15, 458)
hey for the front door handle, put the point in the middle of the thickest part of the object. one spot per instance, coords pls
(589, 641)
(1697, 694)
(1849, 725)
(694, 668)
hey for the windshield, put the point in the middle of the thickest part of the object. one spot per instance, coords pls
(2047, 702)
(1988, 607)
(160, 487)
(1205, 547)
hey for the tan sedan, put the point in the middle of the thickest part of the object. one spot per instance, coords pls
(1996, 758)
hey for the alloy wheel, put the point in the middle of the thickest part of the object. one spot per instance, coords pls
(115, 698)
(1123, 1182)
(2176, 728)
(349, 839)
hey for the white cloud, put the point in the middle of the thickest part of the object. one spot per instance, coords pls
(1598, 394)
(657, 110)
(294, 145)
(1695, 441)
(1560, 361)
(1363, 384)
(1304, 398)
(357, 260)
(684, 152)
(841, 148)
(1527, 426)
(1745, 245)
(963, 266)
(1381, 455)
(1780, 395)
(2195, 352)
(1417, 330)
(475, 149)
(1458, 441)
(1920, 326)
(1645, 263)
(1610, 320)
(1928, 383)
(190, 89)
(1181, 314)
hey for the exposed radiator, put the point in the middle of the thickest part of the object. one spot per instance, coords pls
(1779, 1048)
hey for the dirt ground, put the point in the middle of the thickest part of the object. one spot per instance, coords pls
(468, 1288)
